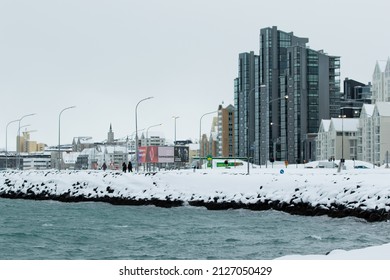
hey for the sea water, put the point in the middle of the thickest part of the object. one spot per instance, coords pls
(76, 231)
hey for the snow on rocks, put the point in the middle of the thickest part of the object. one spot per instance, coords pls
(360, 193)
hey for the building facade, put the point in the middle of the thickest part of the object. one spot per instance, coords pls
(355, 95)
(337, 138)
(244, 103)
(226, 131)
(312, 83)
(25, 145)
(381, 132)
(381, 83)
(281, 96)
(324, 143)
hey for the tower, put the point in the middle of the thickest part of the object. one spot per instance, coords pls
(110, 136)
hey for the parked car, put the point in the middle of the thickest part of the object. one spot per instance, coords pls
(361, 167)
(327, 164)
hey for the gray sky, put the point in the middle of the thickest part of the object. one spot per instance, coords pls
(105, 56)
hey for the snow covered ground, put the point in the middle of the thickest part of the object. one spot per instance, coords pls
(381, 252)
(355, 188)
(366, 189)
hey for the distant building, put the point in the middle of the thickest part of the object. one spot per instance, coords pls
(37, 161)
(93, 158)
(25, 145)
(27, 161)
(374, 132)
(110, 136)
(152, 139)
(225, 131)
(381, 83)
(324, 143)
(183, 142)
(337, 138)
(244, 102)
(365, 143)
(355, 95)
(82, 142)
(281, 96)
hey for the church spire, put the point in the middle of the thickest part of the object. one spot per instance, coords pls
(110, 135)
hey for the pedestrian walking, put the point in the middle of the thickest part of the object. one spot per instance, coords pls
(130, 167)
(104, 166)
(124, 167)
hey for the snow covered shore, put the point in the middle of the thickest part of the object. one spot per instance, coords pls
(363, 193)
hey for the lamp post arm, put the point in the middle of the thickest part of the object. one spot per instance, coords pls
(18, 148)
(6, 142)
(136, 130)
(59, 135)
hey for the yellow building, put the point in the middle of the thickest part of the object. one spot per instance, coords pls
(25, 145)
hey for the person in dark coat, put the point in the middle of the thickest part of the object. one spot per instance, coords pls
(130, 167)
(104, 166)
(124, 167)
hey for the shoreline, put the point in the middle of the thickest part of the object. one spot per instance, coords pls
(301, 209)
(258, 192)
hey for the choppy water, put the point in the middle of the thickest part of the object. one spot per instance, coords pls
(55, 230)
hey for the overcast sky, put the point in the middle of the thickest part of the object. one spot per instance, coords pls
(105, 56)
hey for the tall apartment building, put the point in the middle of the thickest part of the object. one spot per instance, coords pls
(312, 83)
(244, 103)
(281, 97)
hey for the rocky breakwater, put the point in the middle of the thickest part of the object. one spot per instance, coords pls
(302, 192)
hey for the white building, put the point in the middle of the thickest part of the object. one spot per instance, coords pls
(337, 138)
(381, 83)
(381, 122)
(36, 161)
(323, 141)
(93, 158)
(374, 133)
(365, 134)
(152, 138)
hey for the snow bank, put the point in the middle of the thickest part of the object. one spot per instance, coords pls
(381, 252)
(362, 193)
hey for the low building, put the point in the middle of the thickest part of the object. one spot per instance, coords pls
(323, 144)
(93, 158)
(381, 132)
(152, 139)
(82, 142)
(337, 139)
(27, 161)
(36, 161)
(374, 132)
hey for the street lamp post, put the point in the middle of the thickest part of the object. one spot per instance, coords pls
(342, 160)
(136, 131)
(147, 132)
(6, 142)
(59, 136)
(175, 118)
(26, 125)
(18, 148)
(200, 135)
